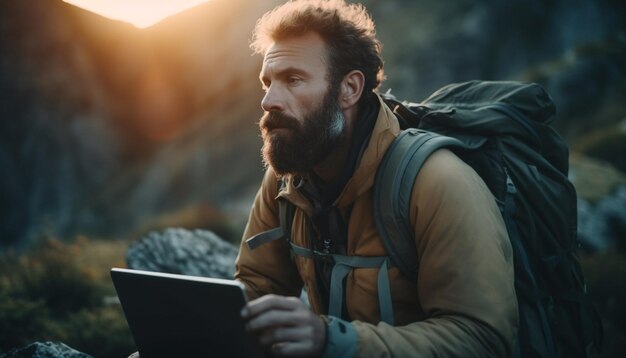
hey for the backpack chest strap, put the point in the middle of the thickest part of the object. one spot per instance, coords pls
(342, 265)
(265, 237)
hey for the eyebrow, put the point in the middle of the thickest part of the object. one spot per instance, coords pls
(285, 72)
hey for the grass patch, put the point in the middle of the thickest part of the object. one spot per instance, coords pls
(57, 292)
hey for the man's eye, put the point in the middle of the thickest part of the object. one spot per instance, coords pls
(293, 80)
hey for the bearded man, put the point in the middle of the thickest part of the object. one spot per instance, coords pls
(325, 131)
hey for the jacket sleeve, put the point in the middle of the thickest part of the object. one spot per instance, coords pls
(465, 281)
(269, 268)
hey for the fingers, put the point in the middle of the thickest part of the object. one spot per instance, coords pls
(273, 318)
(293, 341)
(268, 303)
(284, 334)
(285, 324)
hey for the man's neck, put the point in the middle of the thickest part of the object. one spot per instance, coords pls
(328, 170)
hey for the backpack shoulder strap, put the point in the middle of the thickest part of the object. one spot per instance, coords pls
(286, 212)
(393, 188)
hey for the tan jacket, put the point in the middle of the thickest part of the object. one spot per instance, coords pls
(463, 303)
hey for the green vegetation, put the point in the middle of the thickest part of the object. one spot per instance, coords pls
(58, 292)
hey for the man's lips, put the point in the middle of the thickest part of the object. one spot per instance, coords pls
(276, 126)
(279, 128)
(277, 131)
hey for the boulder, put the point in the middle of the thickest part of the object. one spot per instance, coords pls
(601, 190)
(185, 252)
(603, 225)
(45, 350)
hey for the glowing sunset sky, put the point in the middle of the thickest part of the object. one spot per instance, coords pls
(141, 13)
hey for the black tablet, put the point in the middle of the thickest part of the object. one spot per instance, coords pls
(184, 316)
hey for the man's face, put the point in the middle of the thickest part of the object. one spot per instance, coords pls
(303, 121)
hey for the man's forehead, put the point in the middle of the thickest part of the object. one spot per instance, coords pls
(306, 49)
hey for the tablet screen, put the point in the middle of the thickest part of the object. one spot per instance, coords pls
(176, 315)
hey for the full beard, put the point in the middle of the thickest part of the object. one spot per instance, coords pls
(302, 145)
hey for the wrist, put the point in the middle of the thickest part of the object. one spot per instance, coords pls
(340, 338)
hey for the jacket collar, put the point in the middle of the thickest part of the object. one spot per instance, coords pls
(384, 132)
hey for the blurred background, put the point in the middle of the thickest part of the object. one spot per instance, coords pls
(109, 131)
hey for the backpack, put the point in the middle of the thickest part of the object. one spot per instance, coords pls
(501, 129)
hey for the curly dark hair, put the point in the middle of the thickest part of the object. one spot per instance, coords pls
(347, 29)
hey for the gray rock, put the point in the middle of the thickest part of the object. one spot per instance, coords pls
(591, 228)
(613, 210)
(180, 251)
(603, 225)
(45, 350)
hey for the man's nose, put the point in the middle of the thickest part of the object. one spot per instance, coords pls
(272, 101)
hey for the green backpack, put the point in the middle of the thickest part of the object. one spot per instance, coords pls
(501, 130)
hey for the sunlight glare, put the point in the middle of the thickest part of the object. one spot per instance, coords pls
(141, 13)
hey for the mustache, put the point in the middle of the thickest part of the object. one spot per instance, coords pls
(274, 120)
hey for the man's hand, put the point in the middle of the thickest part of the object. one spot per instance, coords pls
(285, 325)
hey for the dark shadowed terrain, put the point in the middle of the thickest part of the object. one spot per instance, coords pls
(108, 129)
(108, 132)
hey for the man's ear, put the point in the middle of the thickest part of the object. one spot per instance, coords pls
(351, 89)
